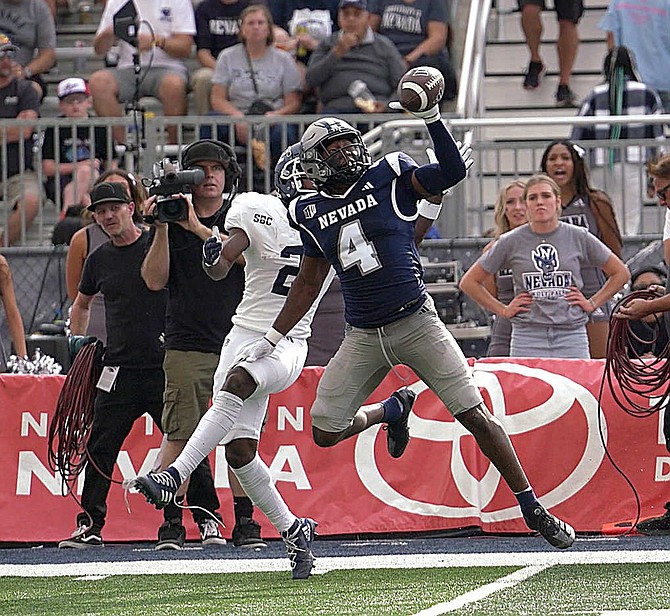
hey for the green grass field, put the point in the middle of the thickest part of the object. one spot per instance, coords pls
(585, 589)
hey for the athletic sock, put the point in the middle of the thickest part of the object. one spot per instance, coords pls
(257, 482)
(392, 409)
(527, 501)
(243, 507)
(211, 430)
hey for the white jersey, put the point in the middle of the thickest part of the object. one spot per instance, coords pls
(272, 262)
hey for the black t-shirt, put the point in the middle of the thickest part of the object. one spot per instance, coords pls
(199, 308)
(135, 316)
(217, 24)
(16, 97)
(78, 149)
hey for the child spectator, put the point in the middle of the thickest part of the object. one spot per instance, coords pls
(73, 163)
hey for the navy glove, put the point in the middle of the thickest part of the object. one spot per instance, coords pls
(211, 251)
(76, 343)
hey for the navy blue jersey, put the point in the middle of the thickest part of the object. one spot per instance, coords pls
(368, 237)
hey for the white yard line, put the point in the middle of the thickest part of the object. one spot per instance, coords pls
(482, 592)
(325, 564)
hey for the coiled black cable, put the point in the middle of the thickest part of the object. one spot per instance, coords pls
(648, 378)
(70, 426)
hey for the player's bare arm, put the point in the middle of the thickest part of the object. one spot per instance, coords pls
(304, 290)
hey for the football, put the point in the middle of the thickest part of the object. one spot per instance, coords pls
(420, 88)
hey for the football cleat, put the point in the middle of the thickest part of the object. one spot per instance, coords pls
(298, 540)
(159, 488)
(557, 532)
(397, 432)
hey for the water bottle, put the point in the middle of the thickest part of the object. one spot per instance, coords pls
(80, 59)
(363, 98)
(85, 12)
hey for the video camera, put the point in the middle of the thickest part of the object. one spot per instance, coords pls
(168, 180)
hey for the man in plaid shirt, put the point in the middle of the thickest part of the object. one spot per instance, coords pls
(622, 177)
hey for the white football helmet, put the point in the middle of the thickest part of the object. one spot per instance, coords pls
(336, 168)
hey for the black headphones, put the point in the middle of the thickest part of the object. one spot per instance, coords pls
(227, 157)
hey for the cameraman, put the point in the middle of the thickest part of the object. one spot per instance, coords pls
(199, 309)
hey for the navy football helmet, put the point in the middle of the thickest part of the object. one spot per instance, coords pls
(290, 180)
(333, 169)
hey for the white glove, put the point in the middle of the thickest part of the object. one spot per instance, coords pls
(465, 150)
(264, 347)
(428, 116)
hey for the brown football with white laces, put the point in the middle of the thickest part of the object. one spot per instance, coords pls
(421, 88)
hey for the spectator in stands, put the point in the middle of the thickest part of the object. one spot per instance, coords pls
(19, 188)
(510, 213)
(642, 26)
(217, 25)
(165, 37)
(659, 173)
(87, 239)
(308, 23)
(650, 335)
(355, 52)
(584, 206)
(296, 15)
(255, 78)
(79, 159)
(419, 29)
(12, 314)
(31, 27)
(622, 93)
(568, 13)
(548, 259)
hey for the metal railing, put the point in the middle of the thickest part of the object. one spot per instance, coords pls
(468, 212)
(468, 102)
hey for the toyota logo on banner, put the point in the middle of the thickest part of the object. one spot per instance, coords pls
(550, 396)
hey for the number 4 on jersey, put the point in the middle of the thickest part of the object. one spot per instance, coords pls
(355, 249)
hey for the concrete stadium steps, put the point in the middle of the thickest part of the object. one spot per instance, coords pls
(506, 58)
(507, 94)
(507, 25)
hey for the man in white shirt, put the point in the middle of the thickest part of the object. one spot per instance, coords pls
(165, 35)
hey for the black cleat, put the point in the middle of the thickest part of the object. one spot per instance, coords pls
(159, 488)
(557, 532)
(397, 433)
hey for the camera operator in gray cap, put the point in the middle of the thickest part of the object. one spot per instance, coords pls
(198, 318)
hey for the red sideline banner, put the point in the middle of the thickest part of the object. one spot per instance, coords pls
(549, 408)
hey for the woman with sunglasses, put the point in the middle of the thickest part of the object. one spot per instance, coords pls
(584, 206)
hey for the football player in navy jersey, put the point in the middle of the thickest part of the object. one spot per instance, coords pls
(258, 228)
(362, 222)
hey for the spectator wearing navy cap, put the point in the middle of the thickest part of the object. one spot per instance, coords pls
(353, 53)
(80, 157)
(19, 189)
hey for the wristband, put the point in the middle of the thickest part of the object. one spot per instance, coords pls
(27, 73)
(273, 336)
(429, 210)
(592, 304)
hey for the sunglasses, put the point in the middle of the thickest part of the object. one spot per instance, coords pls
(8, 53)
(662, 192)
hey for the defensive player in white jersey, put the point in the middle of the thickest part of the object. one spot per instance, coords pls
(258, 227)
